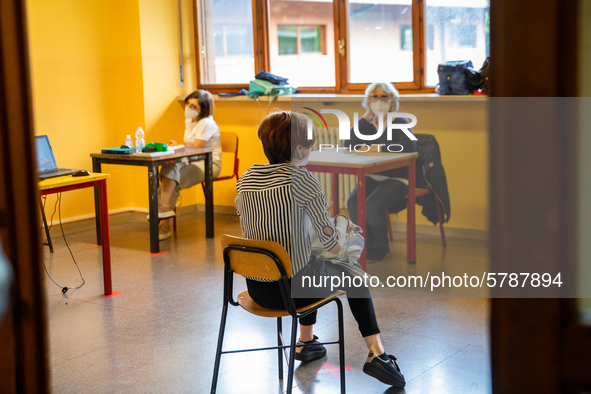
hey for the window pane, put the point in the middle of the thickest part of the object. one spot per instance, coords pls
(310, 39)
(287, 37)
(456, 30)
(380, 41)
(311, 49)
(226, 38)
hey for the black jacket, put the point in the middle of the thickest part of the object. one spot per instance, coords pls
(429, 171)
(431, 175)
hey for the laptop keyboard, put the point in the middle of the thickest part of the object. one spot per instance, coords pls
(56, 172)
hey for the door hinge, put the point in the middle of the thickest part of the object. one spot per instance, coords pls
(342, 47)
(422, 71)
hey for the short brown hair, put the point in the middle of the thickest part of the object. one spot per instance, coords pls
(205, 100)
(281, 132)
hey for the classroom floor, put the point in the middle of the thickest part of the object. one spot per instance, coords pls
(160, 334)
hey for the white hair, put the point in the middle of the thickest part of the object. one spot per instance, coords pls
(387, 88)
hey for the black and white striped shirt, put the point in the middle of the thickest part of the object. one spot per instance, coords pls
(278, 202)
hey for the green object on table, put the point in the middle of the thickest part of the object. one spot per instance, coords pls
(160, 147)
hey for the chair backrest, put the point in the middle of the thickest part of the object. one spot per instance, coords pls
(229, 142)
(250, 262)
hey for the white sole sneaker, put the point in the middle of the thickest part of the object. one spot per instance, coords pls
(164, 236)
(163, 215)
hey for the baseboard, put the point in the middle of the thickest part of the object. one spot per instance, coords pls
(450, 232)
(224, 209)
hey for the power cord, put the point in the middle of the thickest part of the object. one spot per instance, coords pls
(64, 288)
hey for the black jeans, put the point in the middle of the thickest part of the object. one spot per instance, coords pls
(379, 197)
(268, 295)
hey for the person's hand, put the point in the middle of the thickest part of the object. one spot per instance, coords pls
(172, 142)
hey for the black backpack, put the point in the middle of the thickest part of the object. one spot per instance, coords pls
(452, 77)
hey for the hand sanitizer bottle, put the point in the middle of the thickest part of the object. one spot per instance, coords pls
(128, 141)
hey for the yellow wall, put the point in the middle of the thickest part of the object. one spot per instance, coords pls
(100, 69)
(85, 61)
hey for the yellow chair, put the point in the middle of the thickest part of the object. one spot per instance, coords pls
(229, 142)
(268, 260)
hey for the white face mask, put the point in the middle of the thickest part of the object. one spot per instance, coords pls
(380, 106)
(304, 160)
(190, 113)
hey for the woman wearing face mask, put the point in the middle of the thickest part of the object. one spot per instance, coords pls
(201, 131)
(279, 202)
(385, 190)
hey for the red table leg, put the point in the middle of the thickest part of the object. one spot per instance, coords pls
(411, 242)
(335, 194)
(361, 213)
(106, 241)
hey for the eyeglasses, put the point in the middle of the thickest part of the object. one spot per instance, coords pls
(193, 107)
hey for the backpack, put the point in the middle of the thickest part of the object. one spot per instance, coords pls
(452, 77)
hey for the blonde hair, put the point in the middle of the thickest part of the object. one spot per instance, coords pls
(387, 88)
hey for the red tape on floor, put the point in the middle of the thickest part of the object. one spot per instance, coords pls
(113, 294)
(332, 370)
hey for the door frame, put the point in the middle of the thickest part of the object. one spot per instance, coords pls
(537, 345)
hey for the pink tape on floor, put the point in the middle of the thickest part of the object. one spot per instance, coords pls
(113, 294)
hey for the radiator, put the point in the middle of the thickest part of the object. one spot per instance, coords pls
(346, 182)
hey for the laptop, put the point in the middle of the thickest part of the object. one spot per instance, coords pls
(46, 164)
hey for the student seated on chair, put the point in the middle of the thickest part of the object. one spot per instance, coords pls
(387, 189)
(278, 202)
(201, 131)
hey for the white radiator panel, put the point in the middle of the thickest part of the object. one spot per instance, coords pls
(346, 182)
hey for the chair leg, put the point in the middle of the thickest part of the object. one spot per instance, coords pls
(174, 221)
(389, 225)
(341, 344)
(218, 354)
(280, 350)
(440, 218)
(291, 367)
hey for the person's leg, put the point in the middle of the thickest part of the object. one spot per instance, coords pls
(378, 364)
(268, 295)
(383, 197)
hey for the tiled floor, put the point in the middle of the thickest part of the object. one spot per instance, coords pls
(159, 336)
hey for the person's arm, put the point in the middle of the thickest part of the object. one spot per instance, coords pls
(308, 196)
(199, 143)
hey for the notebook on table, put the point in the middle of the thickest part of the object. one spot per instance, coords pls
(46, 164)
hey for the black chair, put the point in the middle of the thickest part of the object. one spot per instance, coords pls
(268, 260)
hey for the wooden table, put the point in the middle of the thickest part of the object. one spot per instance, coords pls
(153, 162)
(362, 164)
(99, 182)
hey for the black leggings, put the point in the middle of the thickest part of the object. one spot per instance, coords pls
(268, 295)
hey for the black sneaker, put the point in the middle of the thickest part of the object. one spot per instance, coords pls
(387, 372)
(312, 352)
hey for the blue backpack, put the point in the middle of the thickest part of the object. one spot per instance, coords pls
(452, 77)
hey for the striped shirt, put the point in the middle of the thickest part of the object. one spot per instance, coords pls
(279, 202)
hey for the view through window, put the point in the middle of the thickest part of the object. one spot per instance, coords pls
(455, 30)
(226, 41)
(301, 41)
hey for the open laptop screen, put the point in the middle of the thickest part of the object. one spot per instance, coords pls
(45, 158)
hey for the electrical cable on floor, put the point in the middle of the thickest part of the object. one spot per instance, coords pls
(64, 288)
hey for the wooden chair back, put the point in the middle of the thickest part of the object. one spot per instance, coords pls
(249, 261)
